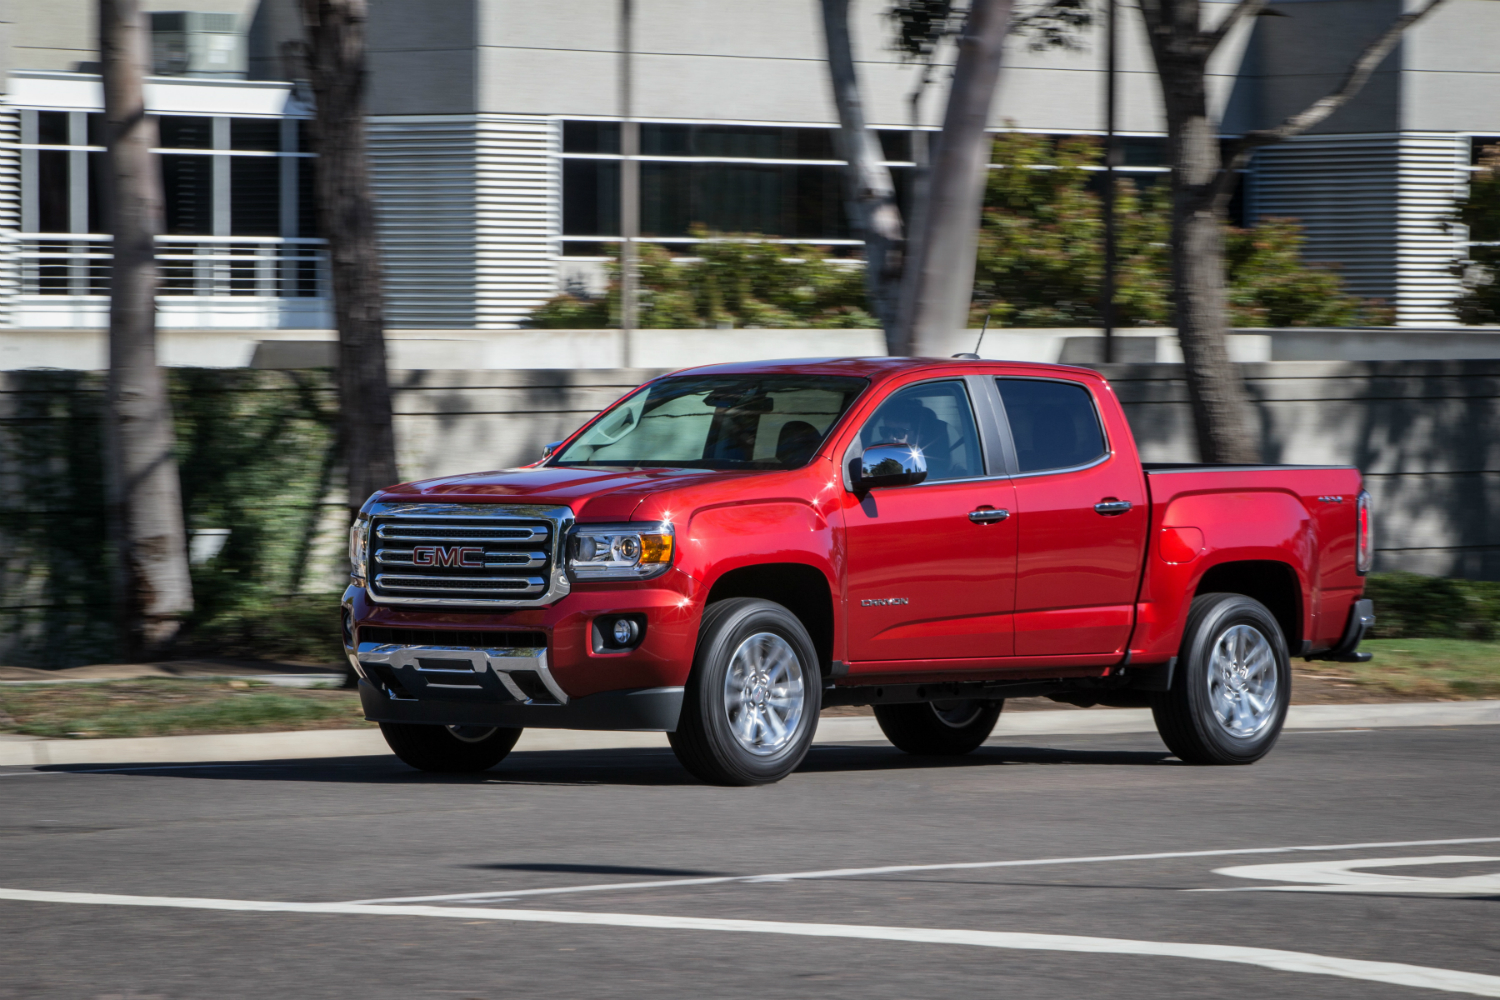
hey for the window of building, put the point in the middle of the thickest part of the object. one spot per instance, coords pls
(222, 179)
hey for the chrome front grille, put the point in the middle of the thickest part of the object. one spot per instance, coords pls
(469, 554)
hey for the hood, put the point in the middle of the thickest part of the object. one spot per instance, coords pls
(600, 494)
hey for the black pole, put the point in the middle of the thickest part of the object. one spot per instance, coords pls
(1107, 291)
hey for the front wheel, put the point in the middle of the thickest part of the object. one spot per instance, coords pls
(449, 749)
(1232, 686)
(752, 700)
(939, 728)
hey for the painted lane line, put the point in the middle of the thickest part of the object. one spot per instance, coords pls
(1392, 973)
(1345, 877)
(899, 869)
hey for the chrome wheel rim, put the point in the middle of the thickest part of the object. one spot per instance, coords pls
(958, 713)
(764, 693)
(471, 734)
(1243, 686)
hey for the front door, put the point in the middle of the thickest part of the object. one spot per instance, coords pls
(930, 572)
(1081, 515)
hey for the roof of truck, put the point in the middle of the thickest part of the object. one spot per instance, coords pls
(860, 367)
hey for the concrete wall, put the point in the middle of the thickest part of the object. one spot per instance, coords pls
(1426, 434)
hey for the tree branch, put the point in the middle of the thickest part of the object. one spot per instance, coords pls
(1315, 113)
(1242, 10)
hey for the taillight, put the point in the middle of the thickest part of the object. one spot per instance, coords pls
(1364, 550)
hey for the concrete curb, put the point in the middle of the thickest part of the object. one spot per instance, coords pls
(27, 752)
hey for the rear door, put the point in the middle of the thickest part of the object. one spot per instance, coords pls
(1081, 517)
(931, 567)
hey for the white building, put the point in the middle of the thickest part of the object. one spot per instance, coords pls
(495, 147)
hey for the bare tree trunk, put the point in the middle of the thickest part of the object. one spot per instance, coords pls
(1222, 416)
(153, 590)
(937, 282)
(1202, 182)
(346, 214)
(870, 192)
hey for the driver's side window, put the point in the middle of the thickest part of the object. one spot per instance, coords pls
(936, 417)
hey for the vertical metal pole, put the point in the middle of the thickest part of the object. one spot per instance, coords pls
(630, 190)
(1107, 291)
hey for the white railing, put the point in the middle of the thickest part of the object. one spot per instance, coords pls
(260, 266)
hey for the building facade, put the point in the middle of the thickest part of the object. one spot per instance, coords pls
(494, 140)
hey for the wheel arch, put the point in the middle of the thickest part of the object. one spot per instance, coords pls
(800, 588)
(1272, 583)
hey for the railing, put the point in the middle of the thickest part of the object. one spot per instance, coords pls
(266, 267)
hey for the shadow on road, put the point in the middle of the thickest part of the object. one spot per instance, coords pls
(608, 767)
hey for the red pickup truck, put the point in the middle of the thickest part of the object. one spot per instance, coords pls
(728, 550)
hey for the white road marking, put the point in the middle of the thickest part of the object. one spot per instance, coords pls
(1392, 973)
(1344, 876)
(895, 869)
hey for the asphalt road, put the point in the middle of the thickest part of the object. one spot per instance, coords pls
(282, 834)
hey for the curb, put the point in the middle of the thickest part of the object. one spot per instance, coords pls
(29, 752)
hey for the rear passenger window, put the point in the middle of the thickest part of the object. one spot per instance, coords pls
(1054, 424)
(936, 417)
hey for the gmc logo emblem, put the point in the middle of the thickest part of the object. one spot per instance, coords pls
(467, 556)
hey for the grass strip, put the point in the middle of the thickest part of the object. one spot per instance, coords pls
(171, 707)
(1440, 669)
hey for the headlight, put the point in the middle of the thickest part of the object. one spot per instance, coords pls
(619, 551)
(359, 544)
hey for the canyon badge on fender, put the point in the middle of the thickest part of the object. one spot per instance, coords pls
(880, 602)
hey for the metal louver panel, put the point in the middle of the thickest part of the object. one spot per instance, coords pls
(1372, 206)
(422, 170)
(1344, 191)
(10, 212)
(1433, 173)
(517, 217)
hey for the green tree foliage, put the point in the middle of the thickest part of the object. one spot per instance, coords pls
(1041, 251)
(1480, 211)
(735, 282)
(1040, 263)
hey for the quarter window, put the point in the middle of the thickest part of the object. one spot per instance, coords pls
(937, 418)
(1054, 424)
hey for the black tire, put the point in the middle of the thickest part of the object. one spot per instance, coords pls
(1186, 717)
(449, 749)
(705, 740)
(939, 729)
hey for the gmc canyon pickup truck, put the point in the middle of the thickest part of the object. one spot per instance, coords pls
(728, 550)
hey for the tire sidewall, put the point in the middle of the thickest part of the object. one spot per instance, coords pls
(706, 689)
(1216, 619)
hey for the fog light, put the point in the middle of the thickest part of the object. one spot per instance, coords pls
(624, 632)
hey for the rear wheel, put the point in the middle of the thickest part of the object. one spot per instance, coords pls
(751, 704)
(939, 728)
(1232, 685)
(449, 749)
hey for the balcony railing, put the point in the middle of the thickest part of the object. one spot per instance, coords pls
(266, 267)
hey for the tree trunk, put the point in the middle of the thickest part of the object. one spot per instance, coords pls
(870, 192)
(1222, 417)
(346, 214)
(938, 279)
(153, 590)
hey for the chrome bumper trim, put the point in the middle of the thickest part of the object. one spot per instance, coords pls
(432, 663)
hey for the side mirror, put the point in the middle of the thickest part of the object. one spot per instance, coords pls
(888, 465)
(550, 449)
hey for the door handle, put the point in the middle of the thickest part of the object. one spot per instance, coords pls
(1109, 508)
(988, 515)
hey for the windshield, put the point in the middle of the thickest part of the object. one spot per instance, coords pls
(717, 422)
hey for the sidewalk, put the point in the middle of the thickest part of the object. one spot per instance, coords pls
(29, 752)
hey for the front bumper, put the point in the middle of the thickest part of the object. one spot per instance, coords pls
(647, 709)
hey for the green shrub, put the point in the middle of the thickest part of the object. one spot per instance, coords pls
(1411, 606)
(735, 282)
